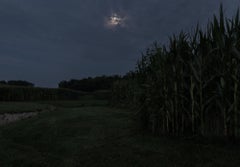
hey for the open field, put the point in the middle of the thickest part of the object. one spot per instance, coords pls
(101, 136)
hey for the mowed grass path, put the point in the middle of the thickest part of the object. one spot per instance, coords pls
(101, 137)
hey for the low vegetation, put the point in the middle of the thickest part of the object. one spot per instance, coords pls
(101, 136)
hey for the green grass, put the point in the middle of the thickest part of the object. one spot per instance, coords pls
(20, 107)
(101, 136)
(76, 103)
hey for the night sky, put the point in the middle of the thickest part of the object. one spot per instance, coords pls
(46, 41)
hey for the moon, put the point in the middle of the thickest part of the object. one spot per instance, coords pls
(115, 20)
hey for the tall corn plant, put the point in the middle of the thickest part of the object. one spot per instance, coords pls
(192, 86)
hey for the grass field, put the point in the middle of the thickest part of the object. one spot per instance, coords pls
(76, 103)
(100, 136)
(21, 107)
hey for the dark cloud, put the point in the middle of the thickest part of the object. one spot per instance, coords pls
(45, 41)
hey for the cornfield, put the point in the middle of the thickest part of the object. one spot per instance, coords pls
(191, 86)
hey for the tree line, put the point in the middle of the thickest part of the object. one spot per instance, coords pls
(17, 83)
(190, 86)
(90, 84)
(96, 87)
(19, 90)
(20, 93)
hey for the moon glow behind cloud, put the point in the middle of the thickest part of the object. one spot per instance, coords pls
(115, 20)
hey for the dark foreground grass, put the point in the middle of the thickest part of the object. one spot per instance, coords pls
(20, 107)
(101, 137)
(76, 103)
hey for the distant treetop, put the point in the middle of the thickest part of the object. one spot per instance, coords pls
(90, 84)
(17, 83)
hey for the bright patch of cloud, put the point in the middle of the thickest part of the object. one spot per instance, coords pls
(115, 20)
